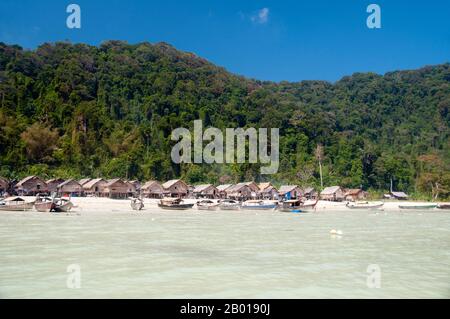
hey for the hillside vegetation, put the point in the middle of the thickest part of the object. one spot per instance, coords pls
(73, 110)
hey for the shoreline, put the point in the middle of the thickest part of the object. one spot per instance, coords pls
(108, 205)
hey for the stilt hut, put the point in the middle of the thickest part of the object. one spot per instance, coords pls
(254, 188)
(332, 193)
(71, 188)
(267, 191)
(116, 188)
(136, 185)
(354, 194)
(30, 186)
(205, 191)
(84, 181)
(309, 193)
(52, 184)
(239, 191)
(290, 192)
(152, 189)
(397, 195)
(175, 188)
(4, 185)
(95, 187)
(222, 190)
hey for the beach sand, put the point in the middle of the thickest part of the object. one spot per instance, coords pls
(97, 204)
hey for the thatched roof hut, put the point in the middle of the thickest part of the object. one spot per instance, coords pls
(205, 191)
(136, 185)
(117, 188)
(239, 191)
(222, 190)
(332, 193)
(31, 186)
(52, 184)
(4, 185)
(95, 187)
(354, 194)
(152, 189)
(70, 187)
(84, 181)
(175, 188)
(290, 191)
(309, 193)
(268, 191)
(253, 187)
(397, 195)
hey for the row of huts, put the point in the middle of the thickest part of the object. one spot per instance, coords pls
(119, 188)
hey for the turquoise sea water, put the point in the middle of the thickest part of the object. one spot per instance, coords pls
(190, 254)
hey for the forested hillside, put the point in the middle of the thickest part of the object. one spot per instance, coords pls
(77, 110)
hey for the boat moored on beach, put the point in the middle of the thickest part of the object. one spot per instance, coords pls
(16, 204)
(44, 204)
(207, 205)
(174, 204)
(290, 206)
(443, 206)
(364, 205)
(418, 206)
(259, 205)
(137, 203)
(62, 205)
(229, 204)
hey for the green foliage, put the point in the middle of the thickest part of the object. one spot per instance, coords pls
(73, 110)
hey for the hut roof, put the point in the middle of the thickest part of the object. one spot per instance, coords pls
(52, 180)
(170, 183)
(287, 188)
(149, 184)
(353, 191)
(330, 190)
(69, 181)
(269, 189)
(308, 190)
(224, 187)
(201, 188)
(237, 187)
(263, 186)
(399, 194)
(92, 183)
(4, 180)
(111, 182)
(84, 181)
(26, 179)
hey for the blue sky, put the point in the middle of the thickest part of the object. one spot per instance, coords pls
(267, 40)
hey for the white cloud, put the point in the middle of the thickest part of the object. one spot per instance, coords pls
(261, 17)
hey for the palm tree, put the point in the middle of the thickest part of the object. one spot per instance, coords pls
(318, 153)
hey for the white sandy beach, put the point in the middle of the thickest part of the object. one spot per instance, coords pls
(97, 204)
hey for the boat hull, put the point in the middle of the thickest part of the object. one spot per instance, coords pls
(230, 207)
(210, 208)
(44, 207)
(63, 208)
(17, 208)
(259, 207)
(375, 206)
(176, 207)
(418, 207)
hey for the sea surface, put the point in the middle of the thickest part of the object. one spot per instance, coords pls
(191, 254)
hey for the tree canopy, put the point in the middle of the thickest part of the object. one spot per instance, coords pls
(77, 110)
